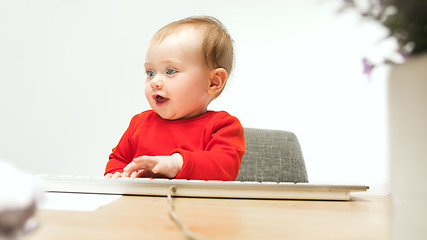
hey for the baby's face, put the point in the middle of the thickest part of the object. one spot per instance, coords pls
(177, 77)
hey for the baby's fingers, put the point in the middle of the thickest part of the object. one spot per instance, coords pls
(130, 168)
(134, 174)
(116, 175)
(156, 169)
(140, 163)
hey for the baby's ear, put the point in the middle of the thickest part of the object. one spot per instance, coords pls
(217, 81)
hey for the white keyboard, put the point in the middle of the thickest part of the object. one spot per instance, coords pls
(197, 188)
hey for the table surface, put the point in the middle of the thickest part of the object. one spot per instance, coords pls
(144, 217)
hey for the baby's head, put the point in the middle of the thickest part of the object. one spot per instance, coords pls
(216, 43)
(187, 65)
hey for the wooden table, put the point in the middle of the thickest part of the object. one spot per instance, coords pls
(135, 217)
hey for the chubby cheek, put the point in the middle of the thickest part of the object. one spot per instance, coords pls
(189, 94)
(148, 92)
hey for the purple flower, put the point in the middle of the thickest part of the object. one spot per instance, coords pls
(367, 66)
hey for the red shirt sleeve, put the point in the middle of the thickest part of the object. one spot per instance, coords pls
(221, 158)
(123, 153)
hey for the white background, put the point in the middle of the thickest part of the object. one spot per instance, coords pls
(72, 76)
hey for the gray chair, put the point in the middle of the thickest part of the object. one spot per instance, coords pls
(272, 156)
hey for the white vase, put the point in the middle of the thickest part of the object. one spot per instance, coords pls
(407, 105)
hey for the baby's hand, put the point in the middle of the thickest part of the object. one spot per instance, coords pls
(115, 175)
(154, 166)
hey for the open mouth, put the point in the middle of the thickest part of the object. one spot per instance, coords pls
(160, 100)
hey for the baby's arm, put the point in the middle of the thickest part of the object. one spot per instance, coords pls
(114, 167)
(122, 154)
(154, 166)
(221, 158)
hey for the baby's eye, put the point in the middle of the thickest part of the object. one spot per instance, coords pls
(150, 73)
(170, 71)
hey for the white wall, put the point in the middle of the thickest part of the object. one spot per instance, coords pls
(71, 75)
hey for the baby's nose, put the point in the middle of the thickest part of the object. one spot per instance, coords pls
(156, 83)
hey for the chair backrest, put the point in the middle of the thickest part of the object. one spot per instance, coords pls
(272, 156)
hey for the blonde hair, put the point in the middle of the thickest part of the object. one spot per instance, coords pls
(217, 45)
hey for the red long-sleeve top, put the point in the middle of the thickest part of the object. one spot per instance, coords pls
(212, 145)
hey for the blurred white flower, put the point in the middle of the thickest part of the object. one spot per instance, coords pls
(20, 193)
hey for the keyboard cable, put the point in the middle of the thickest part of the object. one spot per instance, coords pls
(174, 216)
